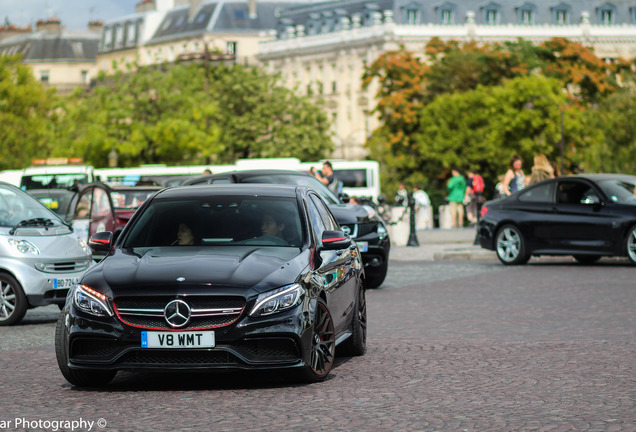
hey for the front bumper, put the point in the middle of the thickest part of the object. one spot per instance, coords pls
(282, 341)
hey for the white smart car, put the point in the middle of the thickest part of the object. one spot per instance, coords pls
(40, 255)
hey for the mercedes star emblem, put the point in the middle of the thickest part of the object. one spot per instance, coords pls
(177, 313)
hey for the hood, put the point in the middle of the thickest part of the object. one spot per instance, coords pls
(56, 243)
(353, 213)
(226, 268)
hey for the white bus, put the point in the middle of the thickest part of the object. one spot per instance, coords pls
(360, 179)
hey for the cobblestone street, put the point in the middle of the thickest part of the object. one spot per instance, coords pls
(453, 346)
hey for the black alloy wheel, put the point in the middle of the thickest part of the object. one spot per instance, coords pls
(356, 345)
(323, 345)
(80, 378)
(630, 244)
(511, 246)
(13, 302)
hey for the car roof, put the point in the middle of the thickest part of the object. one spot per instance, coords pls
(246, 174)
(237, 189)
(602, 176)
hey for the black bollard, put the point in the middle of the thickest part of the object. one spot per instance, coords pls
(413, 234)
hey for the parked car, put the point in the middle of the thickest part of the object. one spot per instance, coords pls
(361, 222)
(217, 278)
(587, 216)
(40, 256)
(100, 207)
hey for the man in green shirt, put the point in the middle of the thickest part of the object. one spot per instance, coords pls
(456, 191)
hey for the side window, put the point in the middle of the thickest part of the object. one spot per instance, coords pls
(101, 205)
(314, 215)
(543, 193)
(83, 207)
(576, 193)
(327, 219)
(219, 181)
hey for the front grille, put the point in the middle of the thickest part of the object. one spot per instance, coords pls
(178, 358)
(63, 266)
(206, 311)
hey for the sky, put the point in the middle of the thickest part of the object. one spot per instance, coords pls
(74, 14)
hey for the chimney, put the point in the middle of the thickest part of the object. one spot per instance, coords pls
(96, 26)
(145, 6)
(51, 25)
(252, 9)
(194, 8)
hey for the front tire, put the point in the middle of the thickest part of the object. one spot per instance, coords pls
(356, 345)
(80, 378)
(13, 302)
(511, 246)
(323, 346)
(376, 276)
(630, 245)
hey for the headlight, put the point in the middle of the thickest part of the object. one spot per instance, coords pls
(278, 300)
(24, 246)
(90, 301)
(84, 246)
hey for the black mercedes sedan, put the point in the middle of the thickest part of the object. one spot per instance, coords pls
(362, 223)
(217, 277)
(587, 216)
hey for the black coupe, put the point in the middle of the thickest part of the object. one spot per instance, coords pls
(587, 216)
(217, 277)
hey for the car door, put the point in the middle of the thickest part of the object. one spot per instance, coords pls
(337, 270)
(582, 221)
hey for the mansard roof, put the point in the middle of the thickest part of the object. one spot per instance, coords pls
(543, 10)
(66, 46)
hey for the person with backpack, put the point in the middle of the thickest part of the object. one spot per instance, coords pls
(474, 196)
(329, 179)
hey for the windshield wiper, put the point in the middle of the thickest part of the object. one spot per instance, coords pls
(32, 222)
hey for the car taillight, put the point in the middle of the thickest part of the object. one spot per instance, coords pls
(483, 212)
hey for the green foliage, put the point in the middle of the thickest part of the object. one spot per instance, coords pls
(26, 114)
(174, 114)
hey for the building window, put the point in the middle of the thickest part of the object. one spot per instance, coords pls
(447, 17)
(230, 48)
(491, 14)
(119, 36)
(526, 14)
(561, 14)
(446, 13)
(606, 14)
(412, 14)
(108, 37)
(44, 76)
(84, 75)
(334, 87)
(131, 33)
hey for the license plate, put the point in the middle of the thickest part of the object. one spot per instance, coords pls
(363, 246)
(65, 283)
(177, 339)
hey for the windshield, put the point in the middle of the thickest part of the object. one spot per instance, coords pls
(218, 221)
(296, 180)
(17, 206)
(52, 181)
(619, 191)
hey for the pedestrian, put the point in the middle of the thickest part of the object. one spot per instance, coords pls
(541, 170)
(329, 179)
(514, 180)
(474, 194)
(402, 196)
(456, 192)
(422, 205)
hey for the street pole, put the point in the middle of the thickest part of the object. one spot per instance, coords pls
(562, 144)
(413, 234)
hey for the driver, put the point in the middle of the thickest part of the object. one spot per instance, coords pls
(272, 225)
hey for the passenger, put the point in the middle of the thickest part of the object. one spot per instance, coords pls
(185, 236)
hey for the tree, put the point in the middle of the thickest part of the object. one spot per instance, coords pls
(262, 118)
(26, 114)
(175, 114)
(152, 115)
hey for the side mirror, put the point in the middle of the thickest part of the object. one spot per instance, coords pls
(101, 241)
(344, 197)
(334, 240)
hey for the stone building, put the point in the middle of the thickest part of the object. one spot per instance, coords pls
(321, 48)
(61, 58)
